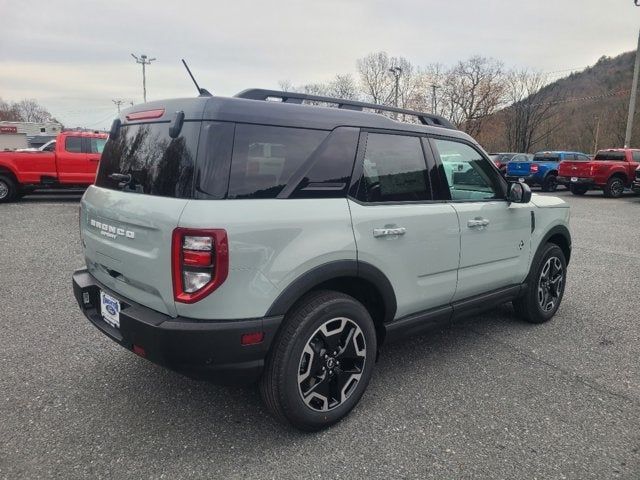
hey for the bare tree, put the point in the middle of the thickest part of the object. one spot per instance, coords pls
(32, 111)
(375, 81)
(527, 118)
(343, 86)
(474, 90)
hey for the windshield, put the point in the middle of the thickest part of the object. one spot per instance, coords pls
(610, 156)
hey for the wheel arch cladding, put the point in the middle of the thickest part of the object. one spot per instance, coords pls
(560, 236)
(363, 281)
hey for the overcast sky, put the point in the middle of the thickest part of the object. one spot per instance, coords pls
(74, 56)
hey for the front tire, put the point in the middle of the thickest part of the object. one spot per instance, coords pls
(545, 286)
(8, 189)
(614, 187)
(321, 361)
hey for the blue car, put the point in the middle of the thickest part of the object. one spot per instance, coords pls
(542, 170)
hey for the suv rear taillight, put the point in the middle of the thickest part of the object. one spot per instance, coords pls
(534, 168)
(199, 262)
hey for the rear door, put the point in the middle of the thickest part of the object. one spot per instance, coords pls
(71, 160)
(495, 234)
(127, 225)
(398, 227)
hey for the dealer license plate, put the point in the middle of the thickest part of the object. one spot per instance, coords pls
(110, 309)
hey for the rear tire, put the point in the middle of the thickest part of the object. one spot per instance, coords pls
(321, 361)
(8, 189)
(614, 187)
(578, 189)
(545, 286)
(550, 183)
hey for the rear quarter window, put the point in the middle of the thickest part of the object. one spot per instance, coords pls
(265, 158)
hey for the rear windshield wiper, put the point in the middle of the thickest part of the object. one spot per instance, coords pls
(127, 180)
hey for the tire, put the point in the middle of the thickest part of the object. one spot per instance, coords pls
(550, 183)
(8, 189)
(304, 383)
(545, 286)
(578, 189)
(614, 187)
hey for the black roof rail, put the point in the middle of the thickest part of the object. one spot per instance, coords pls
(292, 97)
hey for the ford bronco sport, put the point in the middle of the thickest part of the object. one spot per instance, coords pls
(259, 238)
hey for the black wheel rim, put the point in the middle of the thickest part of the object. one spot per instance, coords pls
(4, 190)
(331, 364)
(617, 188)
(550, 284)
(553, 184)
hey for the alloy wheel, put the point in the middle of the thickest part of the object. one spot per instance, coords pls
(617, 188)
(331, 364)
(550, 284)
(4, 190)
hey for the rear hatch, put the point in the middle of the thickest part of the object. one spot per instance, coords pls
(144, 182)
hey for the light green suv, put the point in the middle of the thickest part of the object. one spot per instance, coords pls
(245, 239)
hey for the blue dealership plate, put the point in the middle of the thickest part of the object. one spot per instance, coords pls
(110, 309)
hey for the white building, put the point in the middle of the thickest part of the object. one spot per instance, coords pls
(26, 134)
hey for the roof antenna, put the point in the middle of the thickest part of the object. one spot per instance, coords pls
(203, 92)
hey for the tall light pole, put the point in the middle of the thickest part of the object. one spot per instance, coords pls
(396, 72)
(144, 61)
(632, 99)
(118, 103)
(434, 103)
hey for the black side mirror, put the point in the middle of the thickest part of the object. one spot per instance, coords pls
(519, 192)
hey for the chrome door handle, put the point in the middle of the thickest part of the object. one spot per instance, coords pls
(477, 222)
(389, 232)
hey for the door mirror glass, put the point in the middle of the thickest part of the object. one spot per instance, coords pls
(519, 193)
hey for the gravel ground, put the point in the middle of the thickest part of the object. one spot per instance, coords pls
(490, 397)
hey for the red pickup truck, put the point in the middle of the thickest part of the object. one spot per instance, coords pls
(611, 170)
(71, 163)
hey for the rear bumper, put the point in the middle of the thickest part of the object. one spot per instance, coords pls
(590, 182)
(202, 349)
(528, 179)
(635, 186)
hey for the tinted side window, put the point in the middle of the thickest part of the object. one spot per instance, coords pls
(569, 156)
(266, 157)
(583, 158)
(96, 145)
(636, 156)
(468, 174)
(73, 144)
(394, 170)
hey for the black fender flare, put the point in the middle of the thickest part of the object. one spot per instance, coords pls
(333, 270)
(557, 230)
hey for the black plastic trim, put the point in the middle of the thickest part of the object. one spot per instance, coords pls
(561, 230)
(334, 270)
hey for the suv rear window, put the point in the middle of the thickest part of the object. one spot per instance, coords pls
(265, 158)
(612, 156)
(156, 163)
(546, 158)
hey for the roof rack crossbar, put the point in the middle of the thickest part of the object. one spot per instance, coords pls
(298, 98)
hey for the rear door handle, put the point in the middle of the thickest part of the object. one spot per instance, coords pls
(389, 232)
(478, 222)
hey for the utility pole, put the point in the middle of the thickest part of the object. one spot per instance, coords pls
(632, 99)
(396, 72)
(434, 103)
(118, 103)
(144, 61)
(595, 143)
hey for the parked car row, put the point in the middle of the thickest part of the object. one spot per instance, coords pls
(612, 170)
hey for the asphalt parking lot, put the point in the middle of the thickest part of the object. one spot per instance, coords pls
(491, 397)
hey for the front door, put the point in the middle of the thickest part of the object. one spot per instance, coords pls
(71, 160)
(398, 227)
(495, 235)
